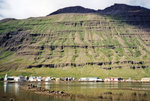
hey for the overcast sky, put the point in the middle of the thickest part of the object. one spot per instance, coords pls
(21, 9)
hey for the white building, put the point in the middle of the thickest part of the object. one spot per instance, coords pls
(32, 78)
(14, 78)
(91, 79)
(94, 79)
(83, 79)
(113, 79)
(19, 79)
(145, 79)
(39, 79)
(6, 77)
(107, 79)
(47, 79)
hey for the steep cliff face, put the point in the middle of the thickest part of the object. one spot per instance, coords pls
(77, 39)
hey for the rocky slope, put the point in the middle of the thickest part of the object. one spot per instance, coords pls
(114, 38)
(74, 9)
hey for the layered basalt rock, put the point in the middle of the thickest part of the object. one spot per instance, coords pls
(101, 64)
(78, 37)
(13, 40)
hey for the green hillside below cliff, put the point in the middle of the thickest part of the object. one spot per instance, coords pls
(75, 44)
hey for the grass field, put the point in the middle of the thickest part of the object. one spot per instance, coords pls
(81, 72)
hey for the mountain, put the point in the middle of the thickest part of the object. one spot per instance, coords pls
(132, 15)
(115, 9)
(124, 9)
(77, 41)
(74, 9)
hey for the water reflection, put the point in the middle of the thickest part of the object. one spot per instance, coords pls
(111, 84)
(13, 87)
(5, 87)
(39, 84)
(16, 88)
(113, 90)
(47, 85)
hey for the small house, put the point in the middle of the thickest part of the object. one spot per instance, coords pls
(113, 79)
(145, 79)
(32, 78)
(57, 79)
(83, 79)
(39, 79)
(19, 79)
(8, 79)
(91, 79)
(47, 79)
(94, 79)
(67, 78)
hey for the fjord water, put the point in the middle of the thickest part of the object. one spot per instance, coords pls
(88, 91)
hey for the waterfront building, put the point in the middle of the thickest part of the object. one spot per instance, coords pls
(145, 79)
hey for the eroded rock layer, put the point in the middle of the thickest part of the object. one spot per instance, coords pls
(110, 40)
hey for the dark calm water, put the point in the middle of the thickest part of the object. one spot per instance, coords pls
(91, 91)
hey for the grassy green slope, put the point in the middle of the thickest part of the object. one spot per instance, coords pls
(78, 39)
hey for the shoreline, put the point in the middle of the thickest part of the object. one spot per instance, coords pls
(34, 89)
(76, 81)
(42, 91)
